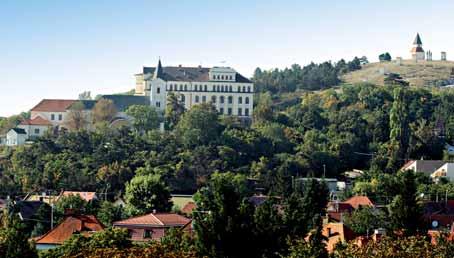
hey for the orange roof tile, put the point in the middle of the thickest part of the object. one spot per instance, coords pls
(188, 208)
(53, 105)
(155, 220)
(358, 201)
(87, 196)
(36, 121)
(84, 224)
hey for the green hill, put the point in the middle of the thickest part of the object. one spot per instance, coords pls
(423, 73)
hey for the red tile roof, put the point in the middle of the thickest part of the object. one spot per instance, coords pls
(87, 196)
(188, 208)
(84, 224)
(358, 201)
(36, 121)
(53, 105)
(155, 220)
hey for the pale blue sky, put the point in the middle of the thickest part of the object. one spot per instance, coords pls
(57, 49)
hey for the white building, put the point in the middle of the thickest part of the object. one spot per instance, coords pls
(35, 127)
(16, 136)
(417, 52)
(445, 171)
(230, 92)
(52, 110)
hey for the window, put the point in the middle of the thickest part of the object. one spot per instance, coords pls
(185, 87)
(181, 87)
(248, 88)
(60, 117)
(195, 87)
(230, 99)
(217, 87)
(204, 99)
(206, 88)
(52, 117)
(158, 90)
(171, 87)
(246, 111)
(221, 99)
(246, 100)
(230, 77)
(213, 99)
(240, 100)
(158, 104)
(229, 111)
(222, 88)
(244, 89)
(36, 130)
(240, 111)
(196, 99)
(147, 233)
(230, 88)
(183, 99)
(221, 110)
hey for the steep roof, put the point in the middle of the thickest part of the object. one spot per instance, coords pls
(53, 105)
(122, 102)
(359, 201)
(35, 121)
(424, 166)
(19, 130)
(87, 196)
(191, 74)
(155, 220)
(27, 209)
(84, 224)
(417, 40)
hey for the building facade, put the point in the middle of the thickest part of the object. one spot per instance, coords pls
(230, 92)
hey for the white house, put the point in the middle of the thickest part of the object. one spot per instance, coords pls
(16, 136)
(35, 127)
(445, 171)
(52, 110)
(230, 92)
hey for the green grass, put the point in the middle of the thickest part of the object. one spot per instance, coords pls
(179, 201)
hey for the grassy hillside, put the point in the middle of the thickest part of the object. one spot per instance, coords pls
(423, 73)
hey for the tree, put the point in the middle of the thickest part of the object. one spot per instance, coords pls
(174, 110)
(384, 57)
(86, 95)
(145, 118)
(71, 202)
(147, 193)
(13, 237)
(108, 213)
(76, 119)
(199, 126)
(364, 220)
(104, 111)
(263, 111)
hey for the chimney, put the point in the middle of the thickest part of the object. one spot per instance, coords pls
(179, 65)
(154, 211)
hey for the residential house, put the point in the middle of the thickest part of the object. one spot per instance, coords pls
(43, 197)
(337, 210)
(152, 226)
(16, 136)
(52, 110)
(336, 233)
(445, 171)
(72, 224)
(188, 208)
(87, 196)
(423, 166)
(439, 215)
(35, 127)
(335, 187)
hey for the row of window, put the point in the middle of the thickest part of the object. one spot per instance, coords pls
(221, 99)
(215, 88)
(240, 111)
(52, 117)
(222, 77)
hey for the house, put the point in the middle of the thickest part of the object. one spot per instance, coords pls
(423, 166)
(52, 110)
(445, 171)
(188, 208)
(336, 233)
(16, 136)
(35, 127)
(229, 91)
(122, 103)
(439, 215)
(28, 209)
(336, 210)
(87, 196)
(72, 224)
(335, 187)
(49, 199)
(152, 226)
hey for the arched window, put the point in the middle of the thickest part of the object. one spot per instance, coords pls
(230, 88)
(206, 88)
(246, 111)
(181, 87)
(196, 99)
(222, 88)
(213, 99)
(222, 77)
(204, 99)
(244, 89)
(238, 89)
(246, 100)
(240, 100)
(240, 112)
(170, 87)
(221, 99)
(230, 99)
(217, 88)
(195, 87)
(185, 87)
(248, 88)
(158, 90)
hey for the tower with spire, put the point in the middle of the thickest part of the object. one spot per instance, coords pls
(417, 52)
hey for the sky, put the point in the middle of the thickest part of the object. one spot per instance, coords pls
(58, 49)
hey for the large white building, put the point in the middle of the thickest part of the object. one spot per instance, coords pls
(230, 92)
